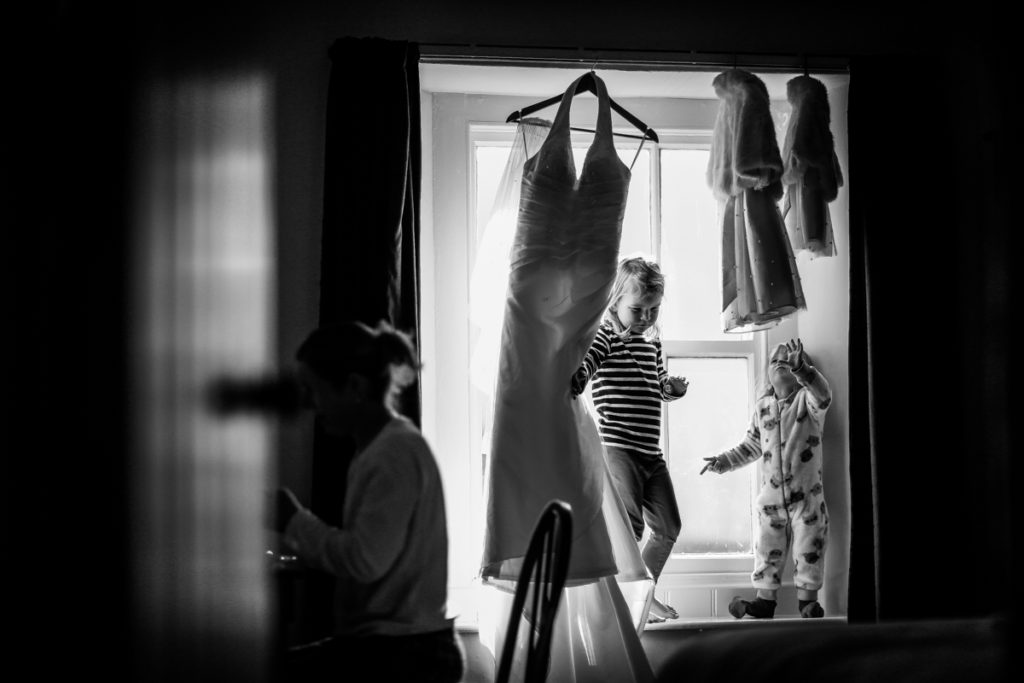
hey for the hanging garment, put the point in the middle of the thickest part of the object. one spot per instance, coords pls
(489, 278)
(811, 175)
(545, 444)
(760, 281)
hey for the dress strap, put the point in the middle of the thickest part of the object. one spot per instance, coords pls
(639, 147)
(604, 114)
(560, 125)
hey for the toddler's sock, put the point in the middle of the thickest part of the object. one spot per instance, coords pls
(810, 609)
(759, 608)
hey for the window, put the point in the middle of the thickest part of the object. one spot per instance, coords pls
(670, 215)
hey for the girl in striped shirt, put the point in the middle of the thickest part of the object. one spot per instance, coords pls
(625, 364)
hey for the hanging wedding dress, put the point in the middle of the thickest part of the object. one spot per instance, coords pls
(544, 443)
(489, 279)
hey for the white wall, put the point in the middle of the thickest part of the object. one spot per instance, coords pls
(824, 329)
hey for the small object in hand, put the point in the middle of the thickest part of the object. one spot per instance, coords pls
(287, 505)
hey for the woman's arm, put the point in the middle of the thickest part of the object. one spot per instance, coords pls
(383, 499)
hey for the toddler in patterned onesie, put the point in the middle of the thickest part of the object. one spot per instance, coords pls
(785, 434)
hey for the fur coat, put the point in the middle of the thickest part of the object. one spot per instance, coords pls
(760, 282)
(811, 177)
(744, 151)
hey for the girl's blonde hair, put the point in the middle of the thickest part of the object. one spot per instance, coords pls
(635, 274)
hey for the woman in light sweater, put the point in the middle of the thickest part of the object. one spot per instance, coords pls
(389, 555)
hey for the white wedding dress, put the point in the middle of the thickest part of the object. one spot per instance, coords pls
(544, 443)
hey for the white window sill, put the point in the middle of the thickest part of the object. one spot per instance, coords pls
(720, 623)
(704, 623)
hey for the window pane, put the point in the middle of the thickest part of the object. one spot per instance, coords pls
(636, 224)
(713, 416)
(690, 249)
(490, 164)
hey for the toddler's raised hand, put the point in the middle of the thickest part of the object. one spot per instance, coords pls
(795, 353)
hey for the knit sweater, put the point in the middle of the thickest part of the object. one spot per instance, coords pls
(390, 556)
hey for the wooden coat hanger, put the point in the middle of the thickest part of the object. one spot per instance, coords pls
(587, 84)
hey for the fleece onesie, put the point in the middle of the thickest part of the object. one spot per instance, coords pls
(786, 436)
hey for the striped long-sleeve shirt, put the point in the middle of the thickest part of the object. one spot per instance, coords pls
(629, 386)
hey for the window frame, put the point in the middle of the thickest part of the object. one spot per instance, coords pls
(470, 121)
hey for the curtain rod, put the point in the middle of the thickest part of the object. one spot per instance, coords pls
(626, 60)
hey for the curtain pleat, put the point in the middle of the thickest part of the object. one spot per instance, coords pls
(863, 577)
(369, 267)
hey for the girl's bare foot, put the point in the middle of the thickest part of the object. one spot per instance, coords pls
(661, 611)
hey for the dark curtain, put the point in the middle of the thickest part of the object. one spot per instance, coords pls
(369, 269)
(929, 363)
(863, 579)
